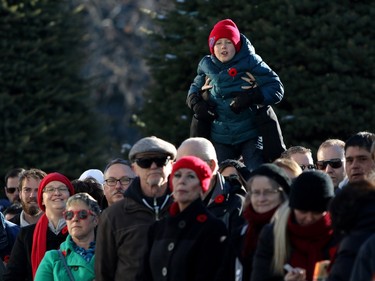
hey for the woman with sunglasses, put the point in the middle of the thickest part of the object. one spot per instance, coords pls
(47, 234)
(75, 259)
(189, 244)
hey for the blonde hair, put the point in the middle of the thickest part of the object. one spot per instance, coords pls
(281, 240)
(289, 164)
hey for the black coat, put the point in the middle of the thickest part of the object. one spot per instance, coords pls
(225, 202)
(351, 243)
(187, 247)
(19, 264)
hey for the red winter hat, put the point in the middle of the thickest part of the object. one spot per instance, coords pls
(201, 169)
(47, 179)
(225, 29)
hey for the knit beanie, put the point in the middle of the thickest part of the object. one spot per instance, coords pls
(201, 169)
(225, 29)
(274, 172)
(238, 165)
(47, 179)
(311, 191)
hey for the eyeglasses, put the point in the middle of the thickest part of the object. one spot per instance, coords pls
(123, 181)
(334, 163)
(146, 163)
(309, 167)
(82, 214)
(11, 190)
(60, 189)
(265, 193)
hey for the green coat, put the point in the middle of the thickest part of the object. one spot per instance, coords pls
(52, 268)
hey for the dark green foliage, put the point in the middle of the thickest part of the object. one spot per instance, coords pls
(47, 120)
(323, 52)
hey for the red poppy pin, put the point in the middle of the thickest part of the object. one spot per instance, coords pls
(64, 253)
(219, 199)
(201, 218)
(64, 230)
(232, 72)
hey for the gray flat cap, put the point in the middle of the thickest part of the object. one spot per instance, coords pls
(152, 144)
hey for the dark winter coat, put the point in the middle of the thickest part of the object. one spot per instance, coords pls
(225, 202)
(364, 266)
(8, 234)
(189, 246)
(342, 265)
(19, 264)
(262, 265)
(231, 128)
(122, 234)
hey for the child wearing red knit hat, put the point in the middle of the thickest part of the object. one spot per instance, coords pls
(231, 84)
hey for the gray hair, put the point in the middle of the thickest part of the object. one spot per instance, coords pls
(86, 199)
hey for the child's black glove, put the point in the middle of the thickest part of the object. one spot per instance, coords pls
(202, 109)
(243, 100)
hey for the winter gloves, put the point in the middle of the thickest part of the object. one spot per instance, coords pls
(242, 100)
(202, 107)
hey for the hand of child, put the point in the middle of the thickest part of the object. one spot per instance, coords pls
(207, 85)
(251, 80)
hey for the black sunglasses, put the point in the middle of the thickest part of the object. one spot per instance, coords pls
(11, 190)
(147, 162)
(334, 163)
(82, 214)
(310, 167)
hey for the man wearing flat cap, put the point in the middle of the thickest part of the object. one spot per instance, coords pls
(122, 232)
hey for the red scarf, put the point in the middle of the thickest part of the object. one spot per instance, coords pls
(39, 246)
(308, 243)
(255, 221)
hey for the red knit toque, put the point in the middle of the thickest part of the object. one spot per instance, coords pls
(47, 179)
(201, 169)
(225, 29)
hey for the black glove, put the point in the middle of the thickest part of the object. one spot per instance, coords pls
(243, 100)
(202, 109)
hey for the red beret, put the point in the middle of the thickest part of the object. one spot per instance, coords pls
(225, 29)
(201, 169)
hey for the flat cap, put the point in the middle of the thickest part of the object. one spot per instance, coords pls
(152, 144)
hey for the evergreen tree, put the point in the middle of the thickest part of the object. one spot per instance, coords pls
(322, 51)
(47, 120)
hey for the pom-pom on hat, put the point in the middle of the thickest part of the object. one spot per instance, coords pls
(49, 178)
(274, 172)
(225, 29)
(311, 191)
(201, 169)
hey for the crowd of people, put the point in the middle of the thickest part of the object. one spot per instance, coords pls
(213, 208)
(178, 214)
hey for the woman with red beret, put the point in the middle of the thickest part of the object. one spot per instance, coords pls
(50, 231)
(189, 244)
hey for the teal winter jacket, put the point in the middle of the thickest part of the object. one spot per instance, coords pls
(52, 268)
(229, 127)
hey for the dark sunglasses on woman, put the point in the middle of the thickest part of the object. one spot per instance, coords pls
(82, 214)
